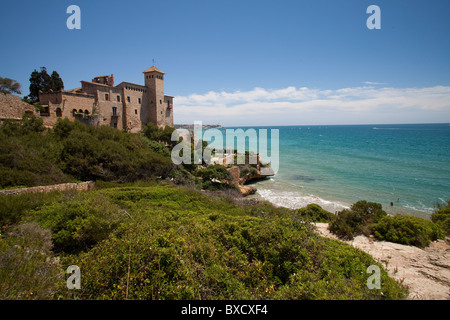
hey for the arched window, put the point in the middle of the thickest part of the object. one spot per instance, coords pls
(58, 112)
(74, 112)
(86, 112)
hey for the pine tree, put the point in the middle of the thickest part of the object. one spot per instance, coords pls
(56, 82)
(42, 81)
(8, 86)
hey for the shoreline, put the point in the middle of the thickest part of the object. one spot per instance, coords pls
(295, 200)
(426, 271)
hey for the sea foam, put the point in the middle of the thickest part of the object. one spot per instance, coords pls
(295, 200)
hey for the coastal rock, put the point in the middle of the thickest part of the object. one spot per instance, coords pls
(246, 190)
(425, 271)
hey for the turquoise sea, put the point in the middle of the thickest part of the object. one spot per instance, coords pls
(337, 165)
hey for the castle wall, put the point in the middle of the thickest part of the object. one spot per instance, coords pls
(109, 106)
(167, 119)
(64, 105)
(135, 106)
(12, 107)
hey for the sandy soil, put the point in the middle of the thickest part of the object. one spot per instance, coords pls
(425, 271)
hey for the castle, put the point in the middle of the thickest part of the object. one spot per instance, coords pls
(126, 106)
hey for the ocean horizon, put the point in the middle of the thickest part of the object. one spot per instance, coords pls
(405, 167)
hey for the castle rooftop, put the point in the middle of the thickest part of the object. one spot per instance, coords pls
(153, 68)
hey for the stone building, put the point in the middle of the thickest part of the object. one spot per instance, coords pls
(124, 106)
(12, 107)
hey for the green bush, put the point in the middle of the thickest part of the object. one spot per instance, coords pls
(315, 213)
(71, 151)
(183, 245)
(183, 177)
(247, 169)
(407, 230)
(442, 218)
(214, 177)
(357, 220)
(108, 154)
(79, 223)
(14, 207)
(154, 133)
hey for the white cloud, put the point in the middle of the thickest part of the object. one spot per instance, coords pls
(291, 105)
(374, 83)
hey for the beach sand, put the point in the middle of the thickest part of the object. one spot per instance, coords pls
(425, 271)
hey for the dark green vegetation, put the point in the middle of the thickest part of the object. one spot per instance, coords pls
(368, 218)
(407, 230)
(42, 81)
(315, 213)
(442, 217)
(30, 155)
(159, 241)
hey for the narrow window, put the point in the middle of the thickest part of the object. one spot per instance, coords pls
(106, 96)
(160, 101)
(139, 100)
(128, 99)
(135, 111)
(114, 110)
(58, 112)
(118, 98)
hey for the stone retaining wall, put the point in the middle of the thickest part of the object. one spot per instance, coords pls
(82, 186)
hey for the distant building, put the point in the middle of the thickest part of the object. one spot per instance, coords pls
(125, 106)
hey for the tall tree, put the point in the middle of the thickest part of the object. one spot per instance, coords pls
(8, 86)
(42, 81)
(56, 82)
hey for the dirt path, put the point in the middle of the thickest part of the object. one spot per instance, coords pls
(425, 271)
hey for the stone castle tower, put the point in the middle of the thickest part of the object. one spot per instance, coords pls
(126, 106)
(160, 106)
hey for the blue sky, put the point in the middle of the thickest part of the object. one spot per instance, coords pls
(249, 62)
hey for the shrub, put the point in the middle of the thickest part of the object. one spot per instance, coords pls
(14, 207)
(80, 223)
(183, 245)
(214, 177)
(315, 213)
(184, 177)
(357, 220)
(28, 269)
(108, 154)
(247, 170)
(155, 133)
(407, 230)
(442, 218)
(25, 160)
